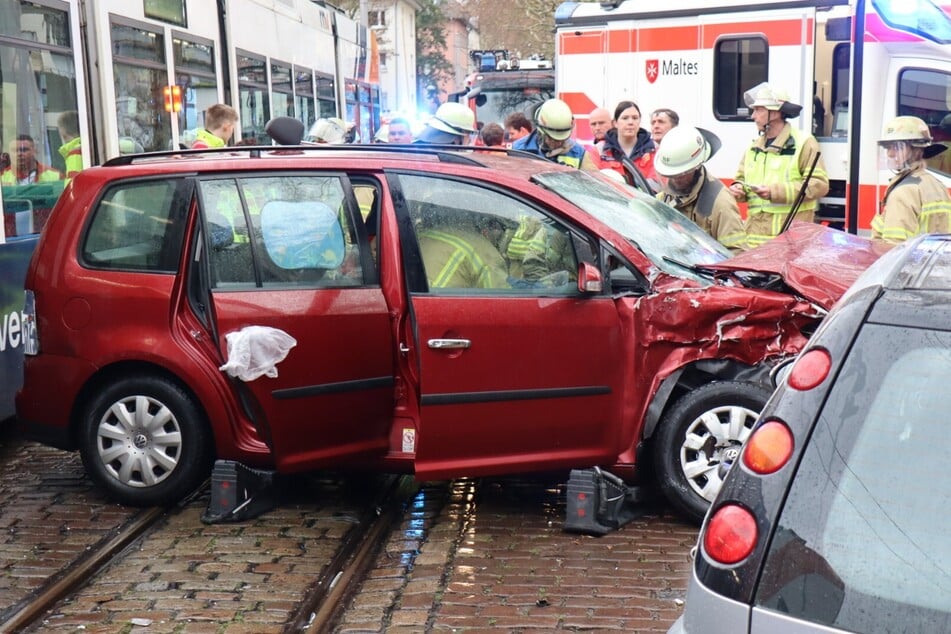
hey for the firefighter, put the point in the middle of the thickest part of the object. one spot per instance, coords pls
(775, 166)
(692, 191)
(551, 139)
(915, 202)
(452, 124)
(330, 130)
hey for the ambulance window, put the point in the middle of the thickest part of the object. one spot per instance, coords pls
(926, 94)
(739, 63)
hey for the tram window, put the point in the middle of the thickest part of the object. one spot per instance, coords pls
(739, 63)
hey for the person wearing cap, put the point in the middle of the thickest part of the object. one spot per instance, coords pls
(915, 202)
(775, 167)
(552, 140)
(694, 192)
(452, 124)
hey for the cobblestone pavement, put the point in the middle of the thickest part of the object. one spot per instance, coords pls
(474, 555)
(491, 555)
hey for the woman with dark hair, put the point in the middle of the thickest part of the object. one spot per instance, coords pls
(628, 142)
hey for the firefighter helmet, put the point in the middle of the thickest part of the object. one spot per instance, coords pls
(683, 149)
(772, 99)
(329, 130)
(454, 118)
(910, 129)
(554, 119)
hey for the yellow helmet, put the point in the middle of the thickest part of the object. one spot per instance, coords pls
(554, 119)
(910, 129)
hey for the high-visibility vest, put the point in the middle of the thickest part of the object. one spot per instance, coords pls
(72, 153)
(44, 174)
(764, 167)
(205, 139)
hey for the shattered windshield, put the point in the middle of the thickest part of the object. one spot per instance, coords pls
(662, 233)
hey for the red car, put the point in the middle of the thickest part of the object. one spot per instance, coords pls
(442, 312)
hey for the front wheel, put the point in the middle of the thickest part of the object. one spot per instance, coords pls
(145, 441)
(699, 436)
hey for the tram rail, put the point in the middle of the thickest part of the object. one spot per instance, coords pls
(98, 556)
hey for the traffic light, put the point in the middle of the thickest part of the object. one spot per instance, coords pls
(173, 98)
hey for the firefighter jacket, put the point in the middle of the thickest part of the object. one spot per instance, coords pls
(72, 153)
(782, 165)
(39, 174)
(456, 258)
(712, 207)
(571, 153)
(610, 155)
(205, 139)
(534, 251)
(915, 202)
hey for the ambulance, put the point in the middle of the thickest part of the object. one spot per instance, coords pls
(851, 64)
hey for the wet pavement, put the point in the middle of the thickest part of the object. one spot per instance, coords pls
(468, 555)
(492, 555)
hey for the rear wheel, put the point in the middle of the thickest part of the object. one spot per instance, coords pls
(699, 437)
(145, 441)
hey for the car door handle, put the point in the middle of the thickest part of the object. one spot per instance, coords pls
(448, 344)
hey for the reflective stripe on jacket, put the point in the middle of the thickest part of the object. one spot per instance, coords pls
(572, 154)
(915, 202)
(461, 259)
(781, 166)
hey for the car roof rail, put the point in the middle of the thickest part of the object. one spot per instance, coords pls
(462, 154)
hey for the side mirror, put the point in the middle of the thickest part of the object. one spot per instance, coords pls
(285, 130)
(589, 278)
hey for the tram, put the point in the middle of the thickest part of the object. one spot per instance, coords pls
(138, 75)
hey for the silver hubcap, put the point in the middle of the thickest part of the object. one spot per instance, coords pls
(713, 438)
(139, 441)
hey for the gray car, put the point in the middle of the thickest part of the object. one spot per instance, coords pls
(833, 517)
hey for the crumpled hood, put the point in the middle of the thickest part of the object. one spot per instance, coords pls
(818, 262)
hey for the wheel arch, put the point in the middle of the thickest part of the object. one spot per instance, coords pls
(122, 369)
(695, 374)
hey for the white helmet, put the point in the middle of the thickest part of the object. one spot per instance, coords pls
(683, 149)
(772, 99)
(554, 119)
(454, 118)
(331, 130)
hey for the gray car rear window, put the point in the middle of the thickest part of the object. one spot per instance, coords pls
(862, 543)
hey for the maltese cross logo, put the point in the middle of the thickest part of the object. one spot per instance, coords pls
(651, 68)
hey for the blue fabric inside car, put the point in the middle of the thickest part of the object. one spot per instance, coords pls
(302, 235)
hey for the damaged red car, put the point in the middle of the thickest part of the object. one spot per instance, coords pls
(435, 311)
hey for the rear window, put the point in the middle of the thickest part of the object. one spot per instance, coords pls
(138, 226)
(862, 544)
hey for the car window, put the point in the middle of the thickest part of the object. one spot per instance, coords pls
(474, 237)
(282, 230)
(138, 226)
(862, 543)
(661, 232)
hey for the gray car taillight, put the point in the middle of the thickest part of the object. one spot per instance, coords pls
(31, 344)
